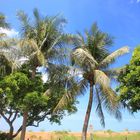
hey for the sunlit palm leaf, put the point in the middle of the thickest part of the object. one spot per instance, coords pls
(64, 101)
(101, 78)
(110, 102)
(114, 55)
(83, 57)
(113, 73)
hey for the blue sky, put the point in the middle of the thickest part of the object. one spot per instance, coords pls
(120, 18)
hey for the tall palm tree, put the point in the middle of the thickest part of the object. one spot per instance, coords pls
(91, 60)
(42, 42)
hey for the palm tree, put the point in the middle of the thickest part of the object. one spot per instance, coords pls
(91, 60)
(42, 42)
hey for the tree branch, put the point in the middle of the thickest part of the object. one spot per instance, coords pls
(14, 116)
(5, 118)
(10, 113)
(17, 131)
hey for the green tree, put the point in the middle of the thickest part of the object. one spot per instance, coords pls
(92, 59)
(129, 80)
(19, 93)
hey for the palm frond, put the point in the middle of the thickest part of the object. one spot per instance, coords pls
(101, 78)
(82, 87)
(58, 21)
(36, 15)
(2, 34)
(99, 109)
(3, 43)
(5, 66)
(12, 56)
(114, 73)
(108, 96)
(114, 55)
(26, 27)
(64, 101)
(81, 40)
(83, 57)
(3, 22)
(110, 102)
(7, 42)
(28, 46)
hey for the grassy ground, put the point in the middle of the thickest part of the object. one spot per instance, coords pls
(63, 135)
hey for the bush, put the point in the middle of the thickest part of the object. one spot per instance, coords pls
(109, 131)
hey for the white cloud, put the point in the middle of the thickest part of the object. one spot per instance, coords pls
(9, 33)
(138, 1)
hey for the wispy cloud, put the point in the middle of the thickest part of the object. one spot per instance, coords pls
(138, 1)
(9, 33)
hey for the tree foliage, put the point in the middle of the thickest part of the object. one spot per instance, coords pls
(19, 93)
(129, 79)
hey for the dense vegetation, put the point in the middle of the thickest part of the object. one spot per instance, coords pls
(129, 79)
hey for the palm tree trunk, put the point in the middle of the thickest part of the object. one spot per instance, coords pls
(25, 116)
(87, 116)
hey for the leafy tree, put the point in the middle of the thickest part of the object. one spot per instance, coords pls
(129, 80)
(19, 93)
(91, 59)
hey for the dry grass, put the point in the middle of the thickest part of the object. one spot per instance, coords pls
(98, 135)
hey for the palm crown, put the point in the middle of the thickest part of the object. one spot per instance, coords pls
(43, 39)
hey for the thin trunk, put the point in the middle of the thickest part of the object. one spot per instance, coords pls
(10, 136)
(87, 116)
(33, 74)
(25, 116)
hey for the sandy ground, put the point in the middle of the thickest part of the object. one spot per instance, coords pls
(51, 135)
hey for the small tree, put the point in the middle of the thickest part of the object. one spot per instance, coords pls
(129, 79)
(17, 93)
